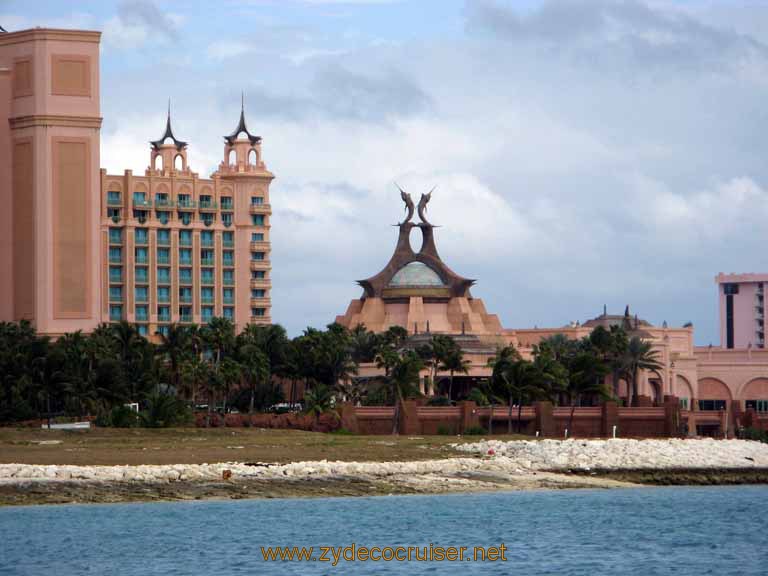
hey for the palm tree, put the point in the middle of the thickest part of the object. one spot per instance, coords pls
(255, 370)
(231, 373)
(640, 355)
(318, 401)
(497, 383)
(587, 376)
(404, 378)
(453, 362)
(364, 344)
(194, 373)
(174, 346)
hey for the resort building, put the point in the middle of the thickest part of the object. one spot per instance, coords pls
(742, 320)
(80, 246)
(714, 387)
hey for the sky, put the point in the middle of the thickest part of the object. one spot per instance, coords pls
(584, 153)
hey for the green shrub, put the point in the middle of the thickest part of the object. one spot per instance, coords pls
(118, 417)
(439, 401)
(754, 434)
(164, 411)
(343, 432)
(475, 431)
(443, 430)
(476, 395)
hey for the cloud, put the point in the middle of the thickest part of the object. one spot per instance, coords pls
(140, 21)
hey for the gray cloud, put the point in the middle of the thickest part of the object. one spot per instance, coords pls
(146, 14)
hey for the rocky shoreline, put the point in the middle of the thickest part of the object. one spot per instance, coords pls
(488, 465)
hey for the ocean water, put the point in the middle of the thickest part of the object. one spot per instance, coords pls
(681, 531)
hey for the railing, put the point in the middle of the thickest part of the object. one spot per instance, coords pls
(228, 300)
(142, 279)
(228, 243)
(141, 299)
(227, 206)
(206, 299)
(142, 241)
(228, 281)
(207, 280)
(116, 278)
(185, 318)
(114, 201)
(142, 203)
(185, 262)
(115, 239)
(163, 279)
(260, 208)
(115, 317)
(163, 241)
(115, 297)
(207, 243)
(163, 260)
(260, 245)
(164, 299)
(207, 261)
(116, 259)
(142, 260)
(186, 204)
(185, 241)
(163, 203)
(208, 205)
(228, 262)
(260, 283)
(185, 299)
(164, 318)
(185, 279)
(142, 318)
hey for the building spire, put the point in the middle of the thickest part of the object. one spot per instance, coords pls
(168, 133)
(242, 128)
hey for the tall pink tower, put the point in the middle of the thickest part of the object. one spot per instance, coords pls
(49, 179)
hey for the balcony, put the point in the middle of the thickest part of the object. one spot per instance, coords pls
(142, 318)
(114, 201)
(142, 204)
(207, 243)
(115, 278)
(208, 205)
(163, 241)
(228, 262)
(206, 299)
(185, 262)
(187, 318)
(115, 259)
(163, 203)
(228, 301)
(185, 298)
(186, 205)
(261, 265)
(116, 240)
(164, 279)
(227, 207)
(228, 243)
(185, 280)
(260, 246)
(185, 241)
(207, 280)
(207, 261)
(142, 298)
(260, 209)
(164, 298)
(265, 302)
(115, 317)
(142, 259)
(261, 283)
(228, 281)
(261, 319)
(163, 259)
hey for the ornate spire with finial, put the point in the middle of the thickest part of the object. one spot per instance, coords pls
(242, 128)
(168, 133)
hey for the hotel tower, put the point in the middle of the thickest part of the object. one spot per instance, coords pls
(79, 246)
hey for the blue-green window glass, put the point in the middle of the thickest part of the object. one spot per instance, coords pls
(229, 313)
(163, 330)
(228, 238)
(163, 217)
(257, 293)
(142, 256)
(142, 313)
(257, 200)
(226, 218)
(206, 294)
(257, 255)
(115, 313)
(257, 237)
(228, 277)
(163, 237)
(141, 275)
(115, 235)
(206, 257)
(185, 275)
(185, 256)
(206, 238)
(185, 294)
(116, 293)
(206, 276)
(258, 274)
(228, 257)
(186, 218)
(208, 218)
(142, 330)
(115, 254)
(163, 294)
(257, 219)
(113, 198)
(163, 255)
(163, 276)
(229, 295)
(164, 313)
(206, 313)
(226, 202)
(185, 313)
(115, 274)
(257, 311)
(185, 237)
(139, 197)
(142, 294)
(142, 235)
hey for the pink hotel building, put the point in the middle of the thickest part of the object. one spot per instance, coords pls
(79, 246)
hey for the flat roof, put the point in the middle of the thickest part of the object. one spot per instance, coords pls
(743, 277)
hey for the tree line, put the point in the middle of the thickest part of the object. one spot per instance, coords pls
(214, 369)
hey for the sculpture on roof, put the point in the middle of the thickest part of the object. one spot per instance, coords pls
(408, 204)
(423, 206)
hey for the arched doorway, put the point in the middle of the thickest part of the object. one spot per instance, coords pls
(684, 392)
(713, 395)
(755, 395)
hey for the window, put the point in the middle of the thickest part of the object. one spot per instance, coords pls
(206, 238)
(258, 274)
(185, 237)
(257, 293)
(252, 157)
(142, 328)
(163, 313)
(730, 289)
(163, 294)
(141, 275)
(757, 405)
(257, 219)
(257, 311)
(710, 405)
(140, 215)
(113, 213)
(226, 202)
(115, 236)
(139, 199)
(141, 235)
(228, 239)
(115, 254)
(161, 199)
(115, 274)
(163, 255)
(257, 237)
(228, 277)
(185, 275)
(184, 200)
(206, 313)
(185, 314)
(116, 293)
(228, 258)
(229, 295)
(185, 218)
(206, 276)
(164, 237)
(113, 198)
(206, 295)
(257, 200)
(226, 219)
(163, 276)
(185, 256)
(142, 294)
(163, 330)
(206, 257)
(229, 313)
(208, 218)
(257, 255)
(683, 403)
(115, 313)
(141, 256)
(142, 313)
(205, 201)
(185, 294)
(163, 217)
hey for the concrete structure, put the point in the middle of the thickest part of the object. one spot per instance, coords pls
(79, 246)
(742, 313)
(714, 387)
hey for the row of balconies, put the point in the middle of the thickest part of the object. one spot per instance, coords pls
(179, 205)
(188, 243)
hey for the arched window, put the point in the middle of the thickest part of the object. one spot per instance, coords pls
(178, 162)
(252, 158)
(159, 162)
(232, 159)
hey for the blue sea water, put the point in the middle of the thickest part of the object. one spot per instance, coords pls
(681, 531)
